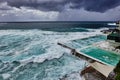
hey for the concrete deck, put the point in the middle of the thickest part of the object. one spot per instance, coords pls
(99, 66)
(103, 69)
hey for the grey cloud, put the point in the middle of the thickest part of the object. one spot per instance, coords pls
(44, 5)
(96, 5)
(4, 6)
(59, 5)
(83, 15)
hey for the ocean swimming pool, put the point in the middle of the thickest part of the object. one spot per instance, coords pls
(102, 55)
(85, 46)
(29, 51)
(80, 43)
(35, 55)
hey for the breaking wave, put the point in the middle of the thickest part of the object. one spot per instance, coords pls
(35, 55)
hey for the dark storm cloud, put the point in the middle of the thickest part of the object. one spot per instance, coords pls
(96, 5)
(59, 5)
(44, 5)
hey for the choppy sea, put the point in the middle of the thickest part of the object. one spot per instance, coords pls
(33, 54)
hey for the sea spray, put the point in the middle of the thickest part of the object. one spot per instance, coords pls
(35, 55)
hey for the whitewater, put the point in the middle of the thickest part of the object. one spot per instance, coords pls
(34, 55)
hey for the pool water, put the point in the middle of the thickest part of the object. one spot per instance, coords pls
(80, 43)
(102, 55)
(85, 46)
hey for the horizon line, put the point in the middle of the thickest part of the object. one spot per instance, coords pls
(48, 21)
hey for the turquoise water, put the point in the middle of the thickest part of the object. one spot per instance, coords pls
(102, 55)
(99, 54)
(80, 43)
(48, 70)
(35, 55)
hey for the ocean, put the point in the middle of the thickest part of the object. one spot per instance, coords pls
(29, 50)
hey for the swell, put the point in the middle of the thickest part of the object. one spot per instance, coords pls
(42, 71)
(36, 55)
(18, 45)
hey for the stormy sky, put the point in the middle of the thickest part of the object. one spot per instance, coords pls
(59, 10)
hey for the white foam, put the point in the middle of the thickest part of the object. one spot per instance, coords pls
(6, 76)
(112, 24)
(47, 39)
